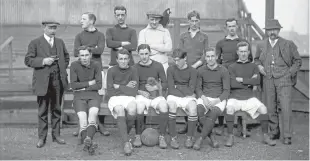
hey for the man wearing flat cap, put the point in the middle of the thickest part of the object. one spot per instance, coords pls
(278, 61)
(157, 37)
(48, 57)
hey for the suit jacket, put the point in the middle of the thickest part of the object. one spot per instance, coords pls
(288, 51)
(38, 49)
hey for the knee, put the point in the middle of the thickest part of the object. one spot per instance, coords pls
(140, 107)
(172, 106)
(132, 108)
(201, 110)
(119, 110)
(192, 108)
(262, 109)
(230, 110)
(213, 114)
(162, 106)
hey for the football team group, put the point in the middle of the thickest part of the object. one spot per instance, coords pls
(207, 83)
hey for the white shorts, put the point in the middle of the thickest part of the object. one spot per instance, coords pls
(119, 101)
(250, 106)
(149, 102)
(220, 105)
(181, 101)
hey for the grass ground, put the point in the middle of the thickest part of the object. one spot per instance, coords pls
(19, 143)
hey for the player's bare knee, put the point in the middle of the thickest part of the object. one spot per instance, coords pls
(140, 108)
(119, 110)
(192, 108)
(262, 109)
(172, 106)
(230, 110)
(162, 106)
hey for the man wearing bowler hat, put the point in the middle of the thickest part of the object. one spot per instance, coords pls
(278, 61)
(48, 57)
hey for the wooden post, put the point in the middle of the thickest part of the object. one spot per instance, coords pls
(177, 31)
(248, 25)
(10, 62)
(269, 12)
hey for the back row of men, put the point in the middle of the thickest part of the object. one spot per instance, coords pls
(203, 93)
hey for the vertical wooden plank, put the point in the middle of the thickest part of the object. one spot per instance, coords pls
(10, 62)
(176, 32)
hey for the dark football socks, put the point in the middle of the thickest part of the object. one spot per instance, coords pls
(139, 124)
(192, 122)
(122, 125)
(163, 121)
(172, 124)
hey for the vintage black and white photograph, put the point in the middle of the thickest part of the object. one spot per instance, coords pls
(154, 79)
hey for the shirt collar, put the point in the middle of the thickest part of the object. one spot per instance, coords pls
(228, 37)
(239, 61)
(159, 27)
(119, 26)
(47, 38)
(215, 69)
(275, 41)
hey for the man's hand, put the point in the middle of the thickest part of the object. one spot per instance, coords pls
(125, 43)
(261, 69)
(116, 86)
(48, 61)
(254, 76)
(119, 48)
(151, 88)
(239, 79)
(132, 84)
(216, 101)
(83, 89)
(192, 96)
(92, 82)
(206, 101)
(144, 93)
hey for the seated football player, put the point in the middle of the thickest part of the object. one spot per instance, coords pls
(181, 87)
(150, 69)
(122, 88)
(243, 76)
(212, 90)
(86, 80)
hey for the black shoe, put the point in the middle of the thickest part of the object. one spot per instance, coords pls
(275, 136)
(40, 143)
(59, 140)
(287, 141)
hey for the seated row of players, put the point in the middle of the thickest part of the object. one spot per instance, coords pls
(202, 94)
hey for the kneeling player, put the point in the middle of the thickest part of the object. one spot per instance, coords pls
(151, 95)
(181, 87)
(122, 88)
(244, 75)
(213, 89)
(86, 80)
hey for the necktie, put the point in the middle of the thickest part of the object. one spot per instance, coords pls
(51, 42)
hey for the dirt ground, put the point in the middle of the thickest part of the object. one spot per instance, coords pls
(19, 143)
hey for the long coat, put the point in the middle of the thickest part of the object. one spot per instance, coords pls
(38, 49)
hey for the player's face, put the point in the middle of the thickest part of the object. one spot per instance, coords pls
(180, 62)
(211, 58)
(50, 30)
(144, 55)
(273, 33)
(123, 60)
(154, 21)
(243, 53)
(84, 57)
(120, 16)
(232, 28)
(85, 22)
(194, 23)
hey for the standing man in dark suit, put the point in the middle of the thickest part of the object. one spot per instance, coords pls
(49, 58)
(278, 61)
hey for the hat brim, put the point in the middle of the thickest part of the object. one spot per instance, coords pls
(155, 16)
(269, 28)
(50, 24)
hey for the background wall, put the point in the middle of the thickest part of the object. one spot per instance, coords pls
(69, 11)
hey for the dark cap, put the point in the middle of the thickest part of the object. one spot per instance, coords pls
(50, 22)
(272, 24)
(154, 14)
